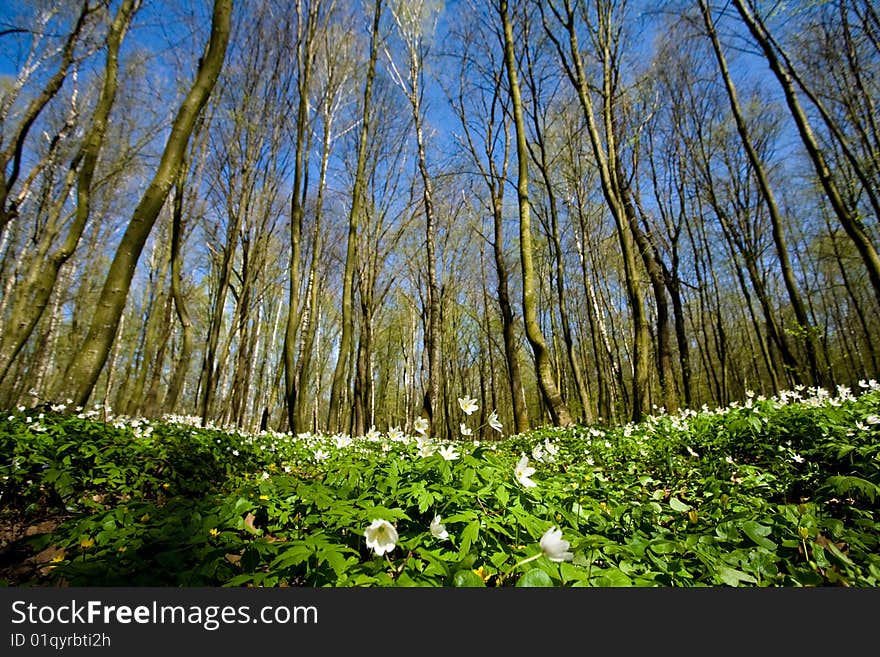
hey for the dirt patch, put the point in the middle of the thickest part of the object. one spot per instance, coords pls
(19, 563)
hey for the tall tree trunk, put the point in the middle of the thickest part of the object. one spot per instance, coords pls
(14, 151)
(654, 267)
(607, 156)
(34, 297)
(90, 358)
(851, 223)
(559, 412)
(804, 324)
(357, 205)
(508, 325)
(305, 58)
(181, 368)
(541, 160)
(309, 318)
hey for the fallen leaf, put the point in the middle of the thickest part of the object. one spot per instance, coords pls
(249, 523)
(41, 528)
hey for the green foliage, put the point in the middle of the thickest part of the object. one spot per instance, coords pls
(770, 493)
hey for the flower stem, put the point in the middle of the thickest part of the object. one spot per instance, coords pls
(524, 561)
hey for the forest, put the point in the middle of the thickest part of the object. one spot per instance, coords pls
(414, 293)
(337, 216)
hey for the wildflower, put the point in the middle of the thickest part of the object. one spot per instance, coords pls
(421, 425)
(554, 547)
(448, 453)
(394, 433)
(213, 531)
(467, 404)
(538, 452)
(873, 419)
(321, 455)
(465, 430)
(438, 529)
(797, 458)
(86, 543)
(522, 472)
(381, 536)
(372, 434)
(494, 422)
(426, 450)
(264, 497)
(481, 573)
(235, 452)
(343, 441)
(551, 449)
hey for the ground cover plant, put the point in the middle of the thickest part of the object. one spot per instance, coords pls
(769, 492)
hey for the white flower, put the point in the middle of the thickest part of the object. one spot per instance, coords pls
(465, 430)
(343, 441)
(797, 458)
(538, 452)
(494, 422)
(448, 453)
(426, 450)
(873, 419)
(321, 455)
(522, 471)
(421, 425)
(554, 547)
(373, 435)
(394, 433)
(551, 449)
(438, 529)
(467, 404)
(381, 536)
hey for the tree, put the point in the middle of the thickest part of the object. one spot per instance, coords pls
(357, 205)
(559, 412)
(83, 372)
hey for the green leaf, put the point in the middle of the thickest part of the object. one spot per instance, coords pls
(733, 577)
(678, 505)
(535, 578)
(613, 578)
(467, 578)
(756, 531)
(855, 486)
(467, 479)
(468, 536)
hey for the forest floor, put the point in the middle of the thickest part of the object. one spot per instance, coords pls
(779, 491)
